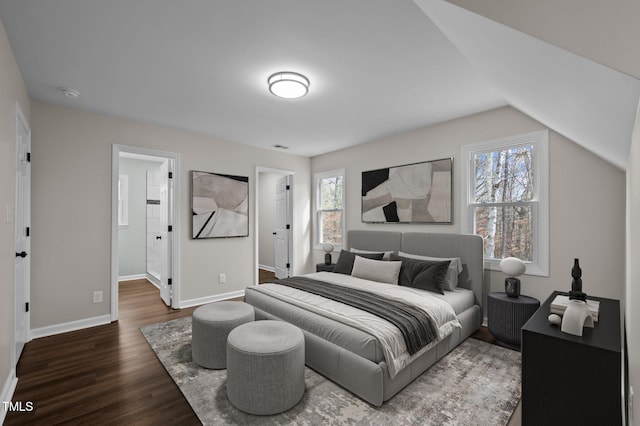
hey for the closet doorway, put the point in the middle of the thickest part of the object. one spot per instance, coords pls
(274, 224)
(144, 225)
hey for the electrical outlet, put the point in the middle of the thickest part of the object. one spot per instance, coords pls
(97, 297)
(222, 278)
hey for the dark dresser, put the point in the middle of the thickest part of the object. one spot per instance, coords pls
(572, 380)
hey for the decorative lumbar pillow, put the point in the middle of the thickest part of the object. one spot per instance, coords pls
(423, 274)
(381, 271)
(387, 254)
(455, 267)
(344, 265)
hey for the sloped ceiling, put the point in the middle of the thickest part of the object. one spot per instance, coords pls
(587, 102)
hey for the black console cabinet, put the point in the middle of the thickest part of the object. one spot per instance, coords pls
(572, 380)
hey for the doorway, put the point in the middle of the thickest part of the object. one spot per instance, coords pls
(274, 223)
(22, 220)
(150, 179)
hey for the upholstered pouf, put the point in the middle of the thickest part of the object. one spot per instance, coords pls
(210, 326)
(265, 367)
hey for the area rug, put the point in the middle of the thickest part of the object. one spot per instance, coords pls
(476, 384)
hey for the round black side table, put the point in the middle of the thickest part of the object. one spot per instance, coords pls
(321, 267)
(506, 316)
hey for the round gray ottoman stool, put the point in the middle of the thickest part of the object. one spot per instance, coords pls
(210, 326)
(265, 367)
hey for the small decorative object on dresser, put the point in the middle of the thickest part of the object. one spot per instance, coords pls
(576, 316)
(328, 248)
(576, 284)
(513, 267)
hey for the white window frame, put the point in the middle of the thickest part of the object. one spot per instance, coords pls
(540, 143)
(316, 188)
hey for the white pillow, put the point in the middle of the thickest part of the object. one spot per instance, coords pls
(455, 267)
(381, 271)
(387, 254)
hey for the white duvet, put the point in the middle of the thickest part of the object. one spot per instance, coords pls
(393, 346)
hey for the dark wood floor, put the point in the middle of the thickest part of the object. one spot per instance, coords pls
(265, 276)
(103, 375)
(107, 374)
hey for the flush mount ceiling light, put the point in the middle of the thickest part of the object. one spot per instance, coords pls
(289, 85)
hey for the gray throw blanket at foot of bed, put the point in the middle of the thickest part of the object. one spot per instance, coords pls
(417, 328)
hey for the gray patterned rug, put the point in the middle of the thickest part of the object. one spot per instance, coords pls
(476, 384)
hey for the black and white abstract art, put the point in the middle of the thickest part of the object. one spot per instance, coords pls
(219, 205)
(413, 193)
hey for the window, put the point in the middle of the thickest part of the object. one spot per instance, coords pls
(329, 207)
(505, 199)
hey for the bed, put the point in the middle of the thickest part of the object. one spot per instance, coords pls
(353, 356)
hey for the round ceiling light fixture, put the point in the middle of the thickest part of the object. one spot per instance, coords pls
(289, 85)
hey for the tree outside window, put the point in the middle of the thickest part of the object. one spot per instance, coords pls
(505, 199)
(330, 207)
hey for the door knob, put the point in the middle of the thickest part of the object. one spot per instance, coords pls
(22, 254)
(159, 237)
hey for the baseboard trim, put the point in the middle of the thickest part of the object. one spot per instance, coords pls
(7, 392)
(52, 330)
(267, 268)
(132, 277)
(153, 280)
(210, 299)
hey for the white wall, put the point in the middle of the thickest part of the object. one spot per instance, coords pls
(267, 218)
(633, 269)
(587, 197)
(71, 205)
(12, 92)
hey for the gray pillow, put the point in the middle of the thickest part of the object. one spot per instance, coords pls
(386, 256)
(381, 271)
(344, 265)
(423, 274)
(455, 268)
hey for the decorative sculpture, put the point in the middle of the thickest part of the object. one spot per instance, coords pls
(576, 284)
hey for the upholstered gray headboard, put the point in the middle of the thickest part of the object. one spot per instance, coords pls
(466, 247)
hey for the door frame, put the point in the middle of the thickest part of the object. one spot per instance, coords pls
(175, 241)
(256, 253)
(21, 119)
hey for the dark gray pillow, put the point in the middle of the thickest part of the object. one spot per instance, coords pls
(344, 265)
(423, 274)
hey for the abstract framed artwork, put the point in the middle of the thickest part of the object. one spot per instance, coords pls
(412, 193)
(219, 205)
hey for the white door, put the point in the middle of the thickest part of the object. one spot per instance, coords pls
(166, 223)
(22, 232)
(283, 227)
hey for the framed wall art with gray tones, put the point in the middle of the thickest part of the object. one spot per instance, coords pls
(412, 193)
(219, 205)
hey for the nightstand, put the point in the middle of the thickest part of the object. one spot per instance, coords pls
(569, 379)
(321, 267)
(506, 316)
